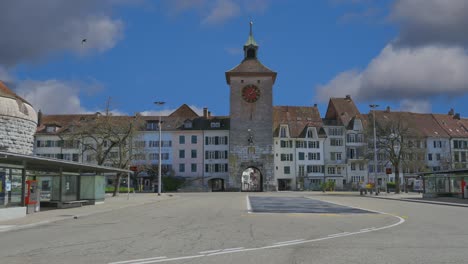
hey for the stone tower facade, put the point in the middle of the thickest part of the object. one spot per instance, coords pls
(18, 123)
(251, 125)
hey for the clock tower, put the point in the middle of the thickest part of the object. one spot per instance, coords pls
(251, 126)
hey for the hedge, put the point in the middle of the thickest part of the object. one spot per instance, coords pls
(122, 189)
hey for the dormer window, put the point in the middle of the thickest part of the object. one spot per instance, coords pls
(151, 125)
(215, 124)
(188, 124)
(284, 131)
(51, 129)
(311, 132)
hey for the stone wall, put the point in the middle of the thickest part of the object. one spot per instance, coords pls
(17, 134)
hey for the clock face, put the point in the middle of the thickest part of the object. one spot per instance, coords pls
(250, 93)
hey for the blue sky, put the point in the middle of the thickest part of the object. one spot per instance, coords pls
(136, 52)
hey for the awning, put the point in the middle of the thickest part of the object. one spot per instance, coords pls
(36, 163)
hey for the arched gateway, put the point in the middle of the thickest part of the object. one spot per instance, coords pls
(252, 180)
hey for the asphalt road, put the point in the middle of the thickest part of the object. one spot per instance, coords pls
(218, 228)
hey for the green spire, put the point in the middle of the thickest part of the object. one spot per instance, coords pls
(251, 40)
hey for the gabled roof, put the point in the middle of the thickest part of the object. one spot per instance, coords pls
(451, 125)
(184, 111)
(298, 119)
(250, 67)
(342, 110)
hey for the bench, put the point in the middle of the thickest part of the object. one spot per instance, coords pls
(70, 204)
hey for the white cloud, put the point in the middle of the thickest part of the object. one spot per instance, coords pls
(415, 106)
(222, 11)
(404, 73)
(51, 96)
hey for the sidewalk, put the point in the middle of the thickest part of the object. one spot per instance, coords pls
(110, 204)
(418, 198)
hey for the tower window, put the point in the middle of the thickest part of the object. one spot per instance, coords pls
(251, 53)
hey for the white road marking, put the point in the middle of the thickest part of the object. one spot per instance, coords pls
(234, 250)
(287, 242)
(338, 234)
(136, 260)
(209, 251)
(249, 207)
(169, 259)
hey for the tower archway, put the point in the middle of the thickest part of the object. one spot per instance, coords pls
(252, 180)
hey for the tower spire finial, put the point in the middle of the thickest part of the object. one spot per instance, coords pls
(251, 24)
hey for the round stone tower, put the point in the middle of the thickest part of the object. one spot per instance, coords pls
(18, 122)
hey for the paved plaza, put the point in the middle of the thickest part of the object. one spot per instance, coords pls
(221, 228)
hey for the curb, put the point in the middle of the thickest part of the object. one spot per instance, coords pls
(418, 201)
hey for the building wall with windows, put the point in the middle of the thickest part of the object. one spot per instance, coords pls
(356, 155)
(187, 153)
(146, 150)
(285, 160)
(216, 154)
(335, 154)
(52, 146)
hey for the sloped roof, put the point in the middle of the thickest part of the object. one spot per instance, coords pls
(61, 121)
(451, 125)
(419, 124)
(184, 111)
(6, 92)
(250, 67)
(298, 118)
(342, 110)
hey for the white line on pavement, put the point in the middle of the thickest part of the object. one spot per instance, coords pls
(338, 234)
(209, 251)
(232, 249)
(136, 260)
(287, 242)
(169, 259)
(249, 207)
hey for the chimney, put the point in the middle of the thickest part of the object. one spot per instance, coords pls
(451, 112)
(388, 109)
(39, 118)
(457, 116)
(348, 97)
(209, 114)
(205, 112)
(315, 105)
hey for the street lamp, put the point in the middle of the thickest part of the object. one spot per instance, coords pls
(373, 106)
(159, 103)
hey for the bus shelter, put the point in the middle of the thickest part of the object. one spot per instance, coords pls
(23, 178)
(451, 183)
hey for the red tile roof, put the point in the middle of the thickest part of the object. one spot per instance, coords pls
(451, 125)
(342, 110)
(298, 118)
(250, 67)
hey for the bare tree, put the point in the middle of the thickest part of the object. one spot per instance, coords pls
(107, 139)
(398, 141)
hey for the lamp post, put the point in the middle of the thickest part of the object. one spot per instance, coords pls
(159, 103)
(373, 106)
